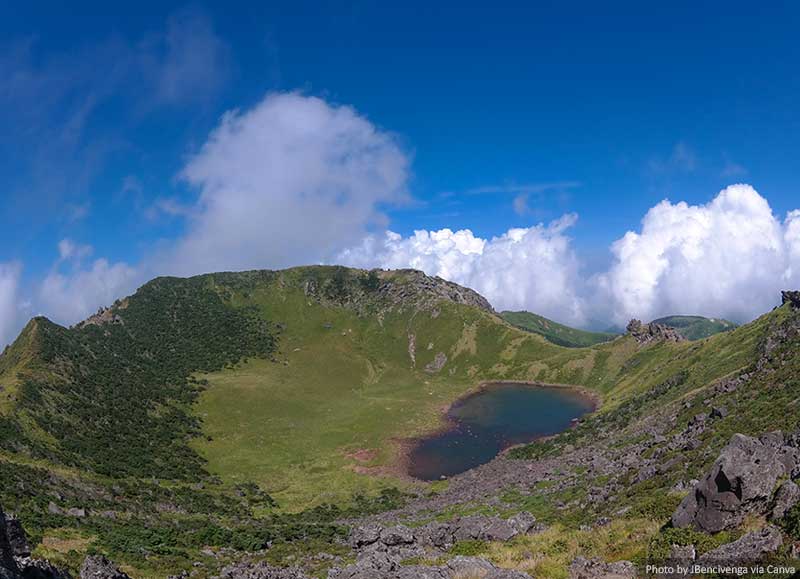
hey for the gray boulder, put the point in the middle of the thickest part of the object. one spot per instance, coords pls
(98, 567)
(523, 523)
(582, 568)
(740, 482)
(751, 548)
(682, 555)
(788, 496)
(482, 528)
(364, 535)
(381, 566)
(436, 535)
(259, 570)
(396, 536)
(473, 567)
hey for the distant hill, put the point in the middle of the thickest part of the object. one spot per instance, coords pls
(696, 327)
(554, 332)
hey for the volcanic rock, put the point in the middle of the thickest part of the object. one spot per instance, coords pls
(740, 482)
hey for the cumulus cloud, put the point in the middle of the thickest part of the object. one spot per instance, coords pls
(292, 180)
(68, 298)
(9, 311)
(297, 180)
(526, 268)
(727, 258)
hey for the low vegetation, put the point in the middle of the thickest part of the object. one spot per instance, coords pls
(554, 332)
(264, 408)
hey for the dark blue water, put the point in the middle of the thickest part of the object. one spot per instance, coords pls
(486, 423)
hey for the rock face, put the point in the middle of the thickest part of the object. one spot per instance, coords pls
(8, 567)
(15, 560)
(582, 568)
(649, 333)
(40, 569)
(417, 285)
(791, 297)
(741, 481)
(380, 566)
(259, 570)
(788, 496)
(751, 548)
(98, 567)
(381, 550)
(400, 541)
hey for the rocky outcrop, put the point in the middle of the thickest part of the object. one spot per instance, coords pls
(788, 496)
(40, 569)
(381, 566)
(16, 537)
(260, 570)
(751, 548)
(381, 550)
(436, 364)
(648, 333)
(741, 482)
(582, 568)
(401, 541)
(98, 567)
(8, 567)
(393, 289)
(15, 560)
(791, 297)
(405, 285)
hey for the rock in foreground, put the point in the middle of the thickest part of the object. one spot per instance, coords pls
(741, 482)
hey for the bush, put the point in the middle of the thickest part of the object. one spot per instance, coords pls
(791, 522)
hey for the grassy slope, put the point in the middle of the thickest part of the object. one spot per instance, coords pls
(554, 332)
(696, 327)
(343, 382)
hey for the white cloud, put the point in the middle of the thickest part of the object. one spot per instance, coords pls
(9, 311)
(533, 268)
(70, 298)
(292, 180)
(792, 237)
(728, 258)
(69, 250)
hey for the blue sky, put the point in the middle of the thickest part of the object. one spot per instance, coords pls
(504, 115)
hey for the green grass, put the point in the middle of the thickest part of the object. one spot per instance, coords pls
(555, 332)
(324, 420)
(309, 393)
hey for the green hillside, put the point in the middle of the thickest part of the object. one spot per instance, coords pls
(240, 410)
(554, 332)
(696, 327)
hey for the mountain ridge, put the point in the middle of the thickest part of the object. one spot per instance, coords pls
(242, 410)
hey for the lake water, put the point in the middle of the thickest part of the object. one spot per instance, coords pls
(487, 422)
